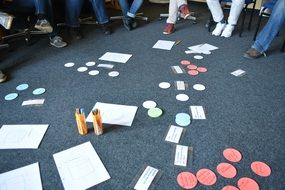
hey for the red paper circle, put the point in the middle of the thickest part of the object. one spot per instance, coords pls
(185, 62)
(247, 183)
(202, 69)
(260, 168)
(193, 72)
(186, 180)
(232, 155)
(226, 170)
(230, 187)
(206, 177)
(192, 67)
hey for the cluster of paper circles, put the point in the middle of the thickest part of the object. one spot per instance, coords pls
(22, 87)
(193, 69)
(183, 119)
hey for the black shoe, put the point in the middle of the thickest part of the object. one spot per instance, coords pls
(75, 33)
(128, 23)
(252, 53)
(134, 23)
(106, 29)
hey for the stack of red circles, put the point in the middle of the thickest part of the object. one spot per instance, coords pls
(193, 70)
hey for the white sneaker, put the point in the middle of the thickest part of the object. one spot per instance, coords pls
(219, 28)
(228, 31)
(6, 20)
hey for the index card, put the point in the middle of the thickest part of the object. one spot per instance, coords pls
(21, 136)
(27, 177)
(80, 167)
(163, 44)
(176, 69)
(107, 66)
(146, 178)
(238, 73)
(115, 57)
(180, 85)
(174, 134)
(33, 102)
(197, 112)
(181, 154)
(114, 113)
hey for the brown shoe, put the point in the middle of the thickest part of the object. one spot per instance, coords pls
(169, 28)
(184, 10)
(252, 53)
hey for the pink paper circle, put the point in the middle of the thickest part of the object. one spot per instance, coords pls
(247, 183)
(186, 180)
(206, 177)
(185, 62)
(230, 187)
(226, 170)
(260, 168)
(193, 72)
(232, 155)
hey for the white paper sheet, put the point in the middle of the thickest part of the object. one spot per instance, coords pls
(197, 112)
(115, 57)
(80, 167)
(181, 155)
(21, 136)
(114, 113)
(107, 66)
(146, 178)
(27, 177)
(163, 44)
(238, 73)
(33, 102)
(174, 134)
(202, 48)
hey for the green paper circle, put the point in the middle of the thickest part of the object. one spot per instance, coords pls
(154, 112)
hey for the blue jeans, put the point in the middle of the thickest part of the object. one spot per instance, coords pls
(271, 28)
(73, 10)
(132, 10)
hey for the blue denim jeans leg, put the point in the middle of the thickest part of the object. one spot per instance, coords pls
(132, 10)
(270, 30)
(99, 10)
(72, 12)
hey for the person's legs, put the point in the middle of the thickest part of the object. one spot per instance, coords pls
(236, 8)
(41, 12)
(6, 20)
(3, 77)
(134, 8)
(172, 17)
(124, 4)
(218, 16)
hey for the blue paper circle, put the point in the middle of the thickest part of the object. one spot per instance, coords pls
(11, 96)
(22, 87)
(183, 119)
(39, 91)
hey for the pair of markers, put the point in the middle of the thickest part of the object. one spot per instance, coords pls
(81, 121)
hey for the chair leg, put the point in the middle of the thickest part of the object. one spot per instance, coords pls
(283, 47)
(251, 15)
(257, 28)
(242, 21)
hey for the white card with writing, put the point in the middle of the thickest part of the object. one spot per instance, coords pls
(33, 102)
(177, 69)
(107, 66)
(174, 134)
(197, 112)
(181, 154)
(180, 85)
(115, 57)
(146, 178)
(238, 73)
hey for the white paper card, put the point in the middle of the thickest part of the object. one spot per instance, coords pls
(197, 112)
(180, 85)
(21, 136)
(238, 73)
(163, 44)
(174, 134)
(115, 57)
(146, 178)
(177, 69)
(33, 102)
(181, 155)
(107, 66)
(80, 167)
(114, 113)
(27, 177)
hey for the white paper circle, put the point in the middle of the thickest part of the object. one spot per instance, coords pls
(93, 72)
(70, 64)
(113, 73)
(149, 104)
(182, 97)
(199, 87)
(82, 69)
(39, 91)
(90, 63)
(198, 57)
(207, 52)
(164, 85)
(11, 96)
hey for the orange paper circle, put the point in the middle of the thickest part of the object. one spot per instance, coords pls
(206, 177)
(230, 187)
(226, 170)
(247, 183)
(193, 72)
(202, 69)
(185, 62)
(192, 67)
(232, 155)
(260, 168)
(186, 180)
